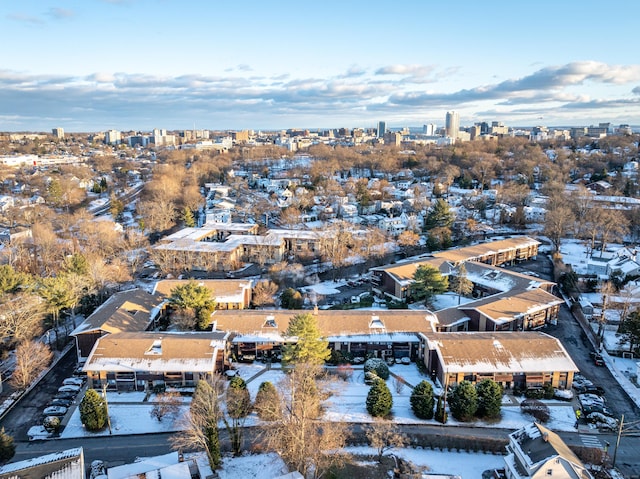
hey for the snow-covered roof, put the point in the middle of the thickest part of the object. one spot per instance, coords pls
(498, 352)
(67, 464)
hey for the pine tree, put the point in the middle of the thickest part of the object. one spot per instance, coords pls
(422, 400)
(379, 399)
(378, 367)
(489, 399)
(238, 398)
(463, 401)
(93, 411)
(268, 403)
(291, 299)
(188, 218)
(7, 447)
(309, 346)
(427, 282)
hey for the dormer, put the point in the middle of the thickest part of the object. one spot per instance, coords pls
(155, 349)
(270, 322)
(376, 323)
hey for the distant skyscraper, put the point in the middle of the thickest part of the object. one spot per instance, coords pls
(58, 132)
(382, 128)
(452, 124)
(429, 129)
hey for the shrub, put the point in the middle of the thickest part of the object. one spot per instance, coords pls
(51, 424)
(377, 366)
(238, 398)
(93, 411)
(7, 447)
(379, 399)
(537, 409)
(548, 391)
(534, 393)
(463, 401)
(345, 372)
(441, 414)
(422, 400)
(489, 398)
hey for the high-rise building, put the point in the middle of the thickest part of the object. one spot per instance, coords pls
(382, 128)
(429, 129)
(452, 124)
(112, 137)
(58, 132)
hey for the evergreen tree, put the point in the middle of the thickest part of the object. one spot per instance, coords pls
(291, 299)
(439, 215)
(238, 398)
(489, 399)
(378, 367)
(463, 401)
(379, 399)
(93, 411)
(268, 402)
(188, 218)
(422, 400)
(103, 185)
(12, 281)
(196, 297)
(441, 413)
(309, 347)
(7, 447)
(427, 282)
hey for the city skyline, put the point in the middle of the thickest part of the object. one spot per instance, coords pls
(144, 64)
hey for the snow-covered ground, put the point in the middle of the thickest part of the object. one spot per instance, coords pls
(130, 415)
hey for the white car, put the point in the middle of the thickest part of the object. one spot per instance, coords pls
(69, 388)
(55, 411)
(73, 382)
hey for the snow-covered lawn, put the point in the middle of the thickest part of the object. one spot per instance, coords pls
(130, 415)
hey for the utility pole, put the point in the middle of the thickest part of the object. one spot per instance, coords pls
(613, 464)
(106, 403)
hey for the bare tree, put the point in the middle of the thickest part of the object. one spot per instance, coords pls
(305, 443)
(32, 357)
(384, 435)
(264, 293)
(21, 317)
(556, 224)
(200, 427)
(166, 405)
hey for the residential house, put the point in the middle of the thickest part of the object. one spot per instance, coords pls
(127, 311)
(513, 359)
(67, 464)
(141, 361)
(536, 452)
(227, 293)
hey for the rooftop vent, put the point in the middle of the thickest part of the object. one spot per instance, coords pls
(156, 348)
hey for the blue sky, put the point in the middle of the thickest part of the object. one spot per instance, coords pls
(89, 65)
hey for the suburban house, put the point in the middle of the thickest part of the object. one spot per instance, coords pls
(58, 465)
(536, 452)
(513, 359)
(127, 311)
(144, 360)
(227, 293)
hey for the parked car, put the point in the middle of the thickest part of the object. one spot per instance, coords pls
(597, 390)
(60, 402)
(65, 395)
(69, 388)
(563, 394)
(580, 381)
(77, 381)
(590, 400)
(602, 421)
(55, 411)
